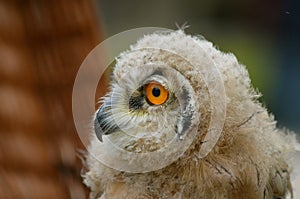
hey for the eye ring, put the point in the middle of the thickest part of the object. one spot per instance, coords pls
(156, 94)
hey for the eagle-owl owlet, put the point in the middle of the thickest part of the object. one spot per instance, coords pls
(170, 94)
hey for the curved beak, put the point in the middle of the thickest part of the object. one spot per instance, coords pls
(104, 123)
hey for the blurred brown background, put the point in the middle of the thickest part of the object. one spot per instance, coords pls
(43, 43)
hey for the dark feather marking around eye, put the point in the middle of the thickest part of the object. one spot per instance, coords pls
(188, 116)
(136, 101)
(186, 122)
(185, 95)
(157, 72)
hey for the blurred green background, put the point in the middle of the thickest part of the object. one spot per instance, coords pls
(264, 35)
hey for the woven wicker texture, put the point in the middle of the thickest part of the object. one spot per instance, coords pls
(42, 44)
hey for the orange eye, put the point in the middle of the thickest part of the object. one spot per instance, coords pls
(156, 93)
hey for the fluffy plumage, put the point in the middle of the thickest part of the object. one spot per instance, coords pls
(250, 158)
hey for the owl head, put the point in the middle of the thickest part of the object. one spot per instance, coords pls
(168, 95)
(147, 101)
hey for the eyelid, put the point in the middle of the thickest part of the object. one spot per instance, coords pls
(156, 78)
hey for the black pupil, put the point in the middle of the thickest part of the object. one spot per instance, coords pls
(156, 92)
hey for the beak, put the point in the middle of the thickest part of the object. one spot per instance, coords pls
(104, 123)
